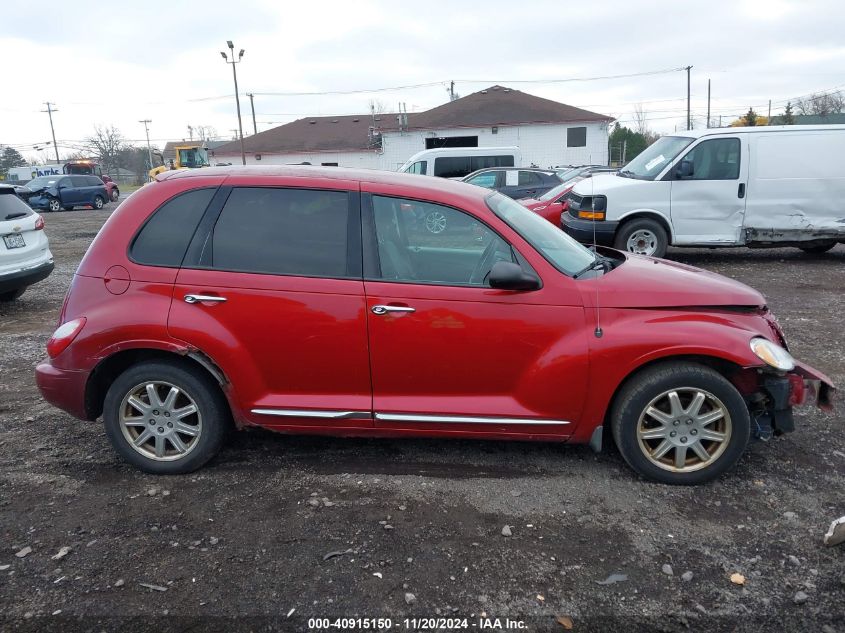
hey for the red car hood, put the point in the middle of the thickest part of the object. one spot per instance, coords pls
(645, 282)
(530, 202)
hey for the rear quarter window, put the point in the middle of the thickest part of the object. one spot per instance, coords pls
(12, 207)
(164, 238)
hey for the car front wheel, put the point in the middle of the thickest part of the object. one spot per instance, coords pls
(54, 205)
(165, 418)
(642, 236)
(99, 202)
(680, 423)
(115, 194)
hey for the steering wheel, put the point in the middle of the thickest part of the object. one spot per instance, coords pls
(482, 269)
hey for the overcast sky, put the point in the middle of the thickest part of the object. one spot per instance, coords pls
(108, 64)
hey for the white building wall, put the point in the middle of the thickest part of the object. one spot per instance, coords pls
(542, 145)
(362, 159)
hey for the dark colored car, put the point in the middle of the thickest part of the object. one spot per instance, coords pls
(313, 300)
(515, 182)
(555, 201)
(54, 193)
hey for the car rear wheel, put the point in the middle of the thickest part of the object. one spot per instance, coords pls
(99, 202)
(165, 418)
(642, 236)
(115, 194)
(11, 295)
(680, 423)
(818, 249)
(54, 205)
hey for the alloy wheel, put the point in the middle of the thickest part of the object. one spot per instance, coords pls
(684, 429)
(160, 421)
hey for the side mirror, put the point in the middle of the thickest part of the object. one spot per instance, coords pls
(683, 169)
(510, 276)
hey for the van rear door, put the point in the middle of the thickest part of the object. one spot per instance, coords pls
(708, 191)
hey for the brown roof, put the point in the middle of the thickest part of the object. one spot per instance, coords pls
(315, 134)
(496, 105)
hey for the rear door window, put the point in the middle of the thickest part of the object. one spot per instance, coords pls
(452, 166)
(487, 179)
(163, 240)
(283, 231)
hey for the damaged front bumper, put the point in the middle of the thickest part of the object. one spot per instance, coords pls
(771, 405)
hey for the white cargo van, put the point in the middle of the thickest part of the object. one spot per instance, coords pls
(748, 186)
(457, 162)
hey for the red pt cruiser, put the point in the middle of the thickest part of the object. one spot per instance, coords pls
(309, 300)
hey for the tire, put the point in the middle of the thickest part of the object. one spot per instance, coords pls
(636, 431)
(53, 204)
(99, 202)
(11, 295)
(642, 236)
(115, 194)
(818, 249)
(210, 422)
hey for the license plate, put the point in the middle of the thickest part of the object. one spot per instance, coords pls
(15, 240)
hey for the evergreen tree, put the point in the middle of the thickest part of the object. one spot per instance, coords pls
(10, 157)
(788, 117)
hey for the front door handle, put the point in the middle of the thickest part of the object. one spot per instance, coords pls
(385, 309)
(203, 298)
(741, 191)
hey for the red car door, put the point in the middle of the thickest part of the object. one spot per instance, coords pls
(450, 354)
(274, 297)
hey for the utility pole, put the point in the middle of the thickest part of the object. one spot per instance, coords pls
(689, 118)
(708, 103)
(146, 123)
(190, 133)
(49, 112)
(769, 118)
(237, 96)
(252, 105)
(451, 91)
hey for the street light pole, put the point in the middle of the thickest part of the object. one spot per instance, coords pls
(237, 97)
(146, 123)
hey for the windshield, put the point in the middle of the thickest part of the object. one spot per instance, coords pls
(41, 182)
(564, 253)
(193, 157)
(651, 162)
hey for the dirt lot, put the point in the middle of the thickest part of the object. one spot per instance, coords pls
(243, 543)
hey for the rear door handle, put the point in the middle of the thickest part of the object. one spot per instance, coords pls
(385, 309)
(202, 298)
(741, 191)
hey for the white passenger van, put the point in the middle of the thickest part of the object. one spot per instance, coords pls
(457, 162)
(746, 186)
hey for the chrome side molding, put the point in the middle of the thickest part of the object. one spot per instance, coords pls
(462, 419)
(316, 413)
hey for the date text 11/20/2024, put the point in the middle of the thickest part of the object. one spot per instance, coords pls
(417, 624)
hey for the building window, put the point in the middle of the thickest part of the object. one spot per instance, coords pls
(451, 141)
(576, 137)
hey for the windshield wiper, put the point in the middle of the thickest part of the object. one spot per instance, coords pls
(15, 216)
(600, 262)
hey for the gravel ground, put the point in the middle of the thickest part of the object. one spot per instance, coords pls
(415, 527)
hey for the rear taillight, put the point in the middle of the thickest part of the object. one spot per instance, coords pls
(39, 223)
(64, 335)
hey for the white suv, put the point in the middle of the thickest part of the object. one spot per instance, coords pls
(25, 256)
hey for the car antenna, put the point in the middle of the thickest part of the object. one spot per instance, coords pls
(598, 331)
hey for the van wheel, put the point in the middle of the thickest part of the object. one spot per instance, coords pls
(818, 249)
(643, 237)
(54, 205)
(680, 423)
(164, 418)
(99, 202)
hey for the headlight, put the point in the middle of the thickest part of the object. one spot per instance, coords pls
(772, 354)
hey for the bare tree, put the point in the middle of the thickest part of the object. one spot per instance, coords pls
(640, 120)
(377, 107)
(822, 103)
(204, 132)
(105, 144)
